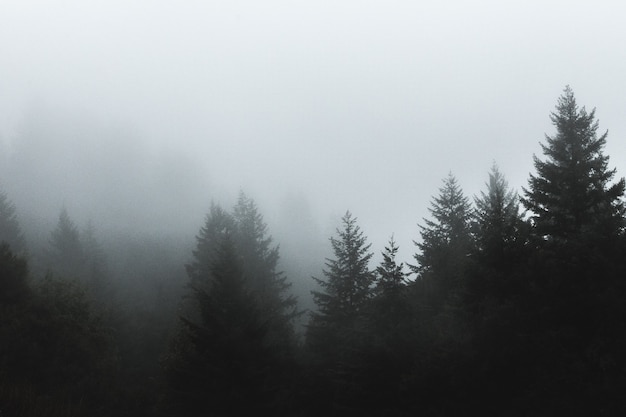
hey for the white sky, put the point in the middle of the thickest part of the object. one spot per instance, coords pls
(360, 105)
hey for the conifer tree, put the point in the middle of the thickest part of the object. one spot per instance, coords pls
(389, 311)
(66, 256)
(577, 216)
(13, 276)
(95, 264)
(498, 227)
(337, 333)
(260, 272)
(572, 193)
(343, 295)
(348, 279)
(390, 276)
(229, 357)
(217, 226)
(10, 231)
(497, 280)
(219, 363)
(446, 242)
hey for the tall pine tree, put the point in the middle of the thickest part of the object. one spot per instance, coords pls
(446, 242)
(217, 226)
(348, 279)
(260, 271)
(219, 363)
(572, 194)
(390, 276)
(577, 216)
(66, 256)
(499, 229)
(10, 231)
(337, 332)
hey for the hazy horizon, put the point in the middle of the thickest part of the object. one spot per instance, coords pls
(139, 114)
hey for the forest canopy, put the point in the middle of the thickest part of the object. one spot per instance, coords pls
(511, 304)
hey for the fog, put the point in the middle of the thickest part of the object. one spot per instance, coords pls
(126, 291)
(138, 114)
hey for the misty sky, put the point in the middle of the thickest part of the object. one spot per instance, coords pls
(319, 105)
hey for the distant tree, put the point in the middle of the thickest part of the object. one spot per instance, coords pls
(260, 271)
(235, 346)
(337, 332)
(217, 226)
(390, 345)
(497, 218)
(501, 236)
(79, 339)
(95, 264)
(66, 255)
(497, 294)
(389, 302)
(571, 195)
(390, 276)
(55, 352)
(348, 284)
(446, 242)
(14, 286)
(10, 231)
(219, 364)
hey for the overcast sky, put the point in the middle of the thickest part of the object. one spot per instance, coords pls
(360, 105)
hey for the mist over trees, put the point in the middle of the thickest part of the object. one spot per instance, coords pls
(510, 304)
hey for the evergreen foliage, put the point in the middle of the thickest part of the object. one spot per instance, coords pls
(577, 262)
(236, 343)
(220, 364)
(497, 218)
(509, 313)
(79, 256)
(390, 276)
(269, 286)
(571, 195)
(337, 333)
(14, 286)
(66, 255)
(96, 271)
(501, 238)
(55, 352)
(10, 231)
(348, 282)
(218, 226)
(446, 242)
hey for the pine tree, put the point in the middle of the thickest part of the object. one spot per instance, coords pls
(577, 262)
(390, 344)
(66, 256)
(219, 363)
(10, 231)
(498, 227)
(497, 287)
(261, 274)
(338, 325)
(446, 242)
(337, 332)
(217, 226)
(95, 264)
(13, 277)
(389, 310)
(55, 352)
(571, 195)
(390, 276)
(348, 279)
(229, 357)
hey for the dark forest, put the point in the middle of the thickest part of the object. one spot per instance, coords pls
(512, 305)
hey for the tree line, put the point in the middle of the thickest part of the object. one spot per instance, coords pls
(512, 305)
